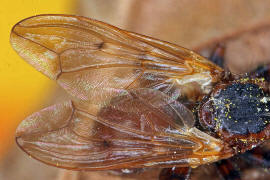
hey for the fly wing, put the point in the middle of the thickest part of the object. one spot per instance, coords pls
(94, 61)
(141, 128)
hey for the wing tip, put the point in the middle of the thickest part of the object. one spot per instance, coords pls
(47, 120)
(41, 58)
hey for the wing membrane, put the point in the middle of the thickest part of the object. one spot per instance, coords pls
(125, 85)
(142, 128)
(91, 59)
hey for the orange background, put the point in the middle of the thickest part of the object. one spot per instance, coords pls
(22, 88)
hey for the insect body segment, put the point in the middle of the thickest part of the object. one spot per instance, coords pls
(237, 112)
(240, 108)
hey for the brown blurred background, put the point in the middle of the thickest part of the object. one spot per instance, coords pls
(243, 26)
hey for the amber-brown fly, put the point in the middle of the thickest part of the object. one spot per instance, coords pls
(137, 102)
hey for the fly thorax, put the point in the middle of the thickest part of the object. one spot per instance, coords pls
(238, 113)
(241, 109)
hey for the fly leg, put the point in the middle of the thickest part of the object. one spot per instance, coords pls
(228, 170)
(258, 156)
(217, 55)
(175, 173)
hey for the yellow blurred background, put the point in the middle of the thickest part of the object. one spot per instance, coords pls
(22, 88)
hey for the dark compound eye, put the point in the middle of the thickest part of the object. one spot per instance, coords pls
(241, 109)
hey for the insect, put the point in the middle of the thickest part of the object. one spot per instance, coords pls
(137, 102)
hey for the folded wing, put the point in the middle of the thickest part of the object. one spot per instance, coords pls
(141, 128)
(94, 61)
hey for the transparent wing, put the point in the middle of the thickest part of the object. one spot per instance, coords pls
(94, 61)
(141, 128)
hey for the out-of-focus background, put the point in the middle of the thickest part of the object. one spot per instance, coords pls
(243, 26)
